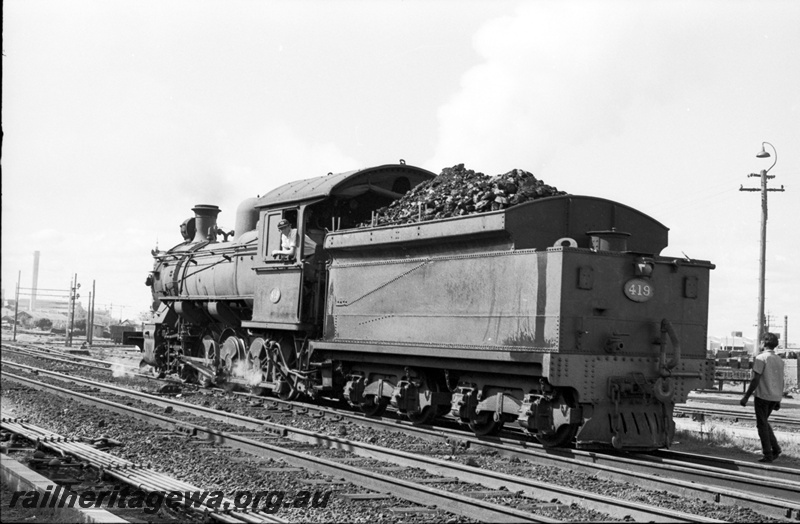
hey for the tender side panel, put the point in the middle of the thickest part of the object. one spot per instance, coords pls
(496, 300)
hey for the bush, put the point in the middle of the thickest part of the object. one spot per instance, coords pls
(44, 324)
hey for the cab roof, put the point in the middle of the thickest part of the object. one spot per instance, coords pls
(381, 179)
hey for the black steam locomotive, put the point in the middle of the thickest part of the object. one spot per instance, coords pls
(559, 315)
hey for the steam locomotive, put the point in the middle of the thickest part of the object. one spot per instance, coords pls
(558, 315)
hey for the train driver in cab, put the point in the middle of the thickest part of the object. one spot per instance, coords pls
(288, 248)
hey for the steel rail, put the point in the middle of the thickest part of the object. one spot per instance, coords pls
(772, 471)
(541, 490)
(756, 486)
(775, 418)
(133, 474)
(421, 494)
(33, 354)
(61, 357)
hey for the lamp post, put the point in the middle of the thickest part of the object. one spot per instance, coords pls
(762, 259)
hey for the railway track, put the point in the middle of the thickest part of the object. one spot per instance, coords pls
(736, 415)
(420, 492)
(695, 411)
(764, 504)
(449, 429)
(133, 475)
(708, 478)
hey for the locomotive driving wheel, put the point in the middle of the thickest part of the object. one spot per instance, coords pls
(210, 350)
(267, 361)
(258, 366)
(232, 352)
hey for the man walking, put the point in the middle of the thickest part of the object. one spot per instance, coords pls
(767, 384)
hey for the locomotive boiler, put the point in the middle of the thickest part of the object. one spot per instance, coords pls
(558, 315)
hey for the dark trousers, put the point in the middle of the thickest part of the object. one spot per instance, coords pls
(769, 443)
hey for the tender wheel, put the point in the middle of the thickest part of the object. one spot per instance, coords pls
(374, 409)
(425, 416)
(485, 425)
(561, 438)
(418, 408)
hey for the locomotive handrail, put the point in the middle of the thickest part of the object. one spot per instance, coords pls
(228, 247)
(190, 258)
(666, 327)
(663, 389)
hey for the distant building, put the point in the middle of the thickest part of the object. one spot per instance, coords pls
(100, 331)
(60, 306)
(731, 343)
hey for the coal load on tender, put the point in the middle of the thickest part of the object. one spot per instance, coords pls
(459, 191)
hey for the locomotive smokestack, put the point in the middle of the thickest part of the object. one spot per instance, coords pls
(205, 222)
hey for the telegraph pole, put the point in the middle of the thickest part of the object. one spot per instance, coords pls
(73, 296)
(762, 259)
(94, 296)
(16, 307)
(786, 331)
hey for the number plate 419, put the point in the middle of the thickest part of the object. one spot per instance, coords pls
(639, 290)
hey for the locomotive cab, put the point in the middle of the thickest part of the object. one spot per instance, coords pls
(290, 297)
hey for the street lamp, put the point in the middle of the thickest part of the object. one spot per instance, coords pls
(765, 154)
(762, 259)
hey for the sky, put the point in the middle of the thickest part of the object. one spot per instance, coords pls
(119, 117)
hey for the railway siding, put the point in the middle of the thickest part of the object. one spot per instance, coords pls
(311, 417)
(571, 498)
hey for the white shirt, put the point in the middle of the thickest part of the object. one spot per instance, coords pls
(290, 242)
(770, 367)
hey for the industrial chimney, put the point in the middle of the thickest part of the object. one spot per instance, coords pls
(35, 283)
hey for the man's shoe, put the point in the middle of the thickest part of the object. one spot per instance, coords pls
(766, 459)
(776, 454)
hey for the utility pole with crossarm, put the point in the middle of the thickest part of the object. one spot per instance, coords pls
(762, 260)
